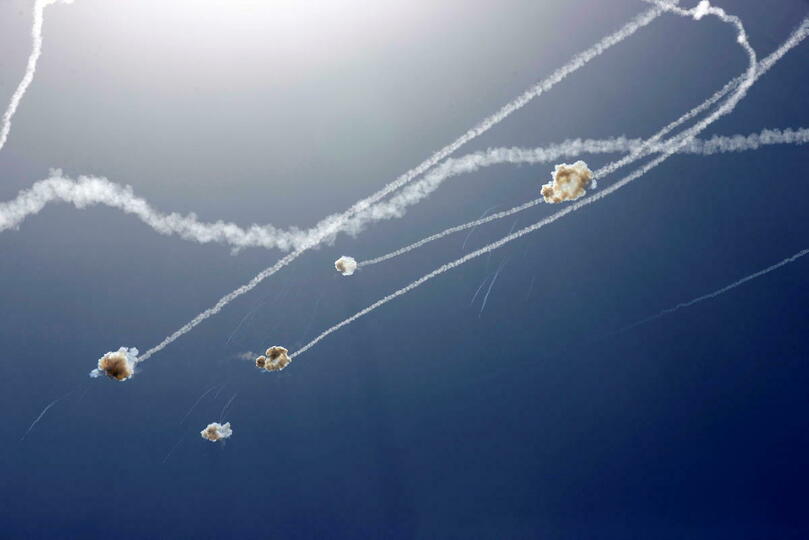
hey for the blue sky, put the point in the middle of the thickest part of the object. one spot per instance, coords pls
(430, 417)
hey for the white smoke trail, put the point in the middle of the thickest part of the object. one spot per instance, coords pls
(681, 140)
(30, 68)
(491, 286)
(715, 293)
(93, 190)
(574, 148)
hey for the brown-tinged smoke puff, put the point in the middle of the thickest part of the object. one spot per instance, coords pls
(569, 182)
(118, 365)
(345, 265)
(216, 431)
(275, 359)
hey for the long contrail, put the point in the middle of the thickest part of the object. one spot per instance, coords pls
(715, 293)
(727, 106)
(330, 226)
(576, 147)
(93, 190)
(30, 68)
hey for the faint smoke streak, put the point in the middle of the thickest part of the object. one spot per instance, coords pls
(715, 293)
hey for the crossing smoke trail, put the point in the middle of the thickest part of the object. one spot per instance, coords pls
(682, 139)
(714, 294)
(87, 191)
(30, 68)
(329, 227)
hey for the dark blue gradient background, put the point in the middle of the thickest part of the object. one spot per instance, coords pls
(427, 418)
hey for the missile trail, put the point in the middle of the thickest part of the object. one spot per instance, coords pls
(715, 293)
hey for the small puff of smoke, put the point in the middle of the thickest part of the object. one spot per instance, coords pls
(345, 265)
(569, 182)
(275, 359)
(216, 431)
(118, 365)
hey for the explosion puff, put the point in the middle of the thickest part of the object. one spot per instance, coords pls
(569, 182)
(216, 431)
(345, 265)
(275, 359)
(118, 365)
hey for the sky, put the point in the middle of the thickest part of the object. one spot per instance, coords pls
(432, 416)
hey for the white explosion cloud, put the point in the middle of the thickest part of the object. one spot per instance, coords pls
(569, 182)
(345, 265)
(216, 432)
(118, 365)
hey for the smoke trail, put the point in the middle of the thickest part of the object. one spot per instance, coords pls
(725, 108)
(30, 68)
(173, 448)
(45, 410)
(225, 408)
(91, 190)
(477, 291)
(491, 285)
(714, 294)
(194, 406)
